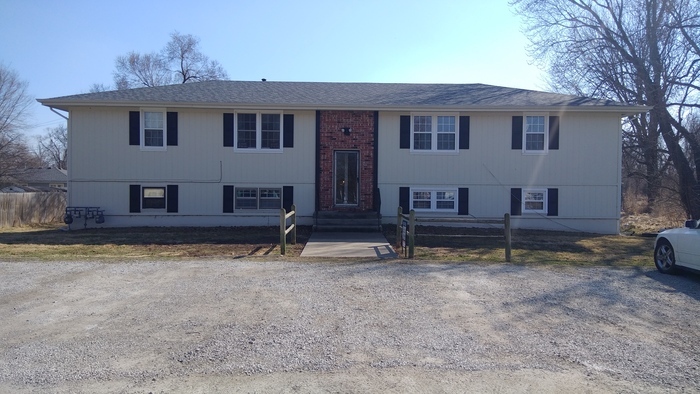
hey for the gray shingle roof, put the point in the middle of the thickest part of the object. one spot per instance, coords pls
(323, 95)
(45, 175)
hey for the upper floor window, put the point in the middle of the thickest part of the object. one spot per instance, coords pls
(258, 131)
(535, 133)
(434, 132)
(153, 130)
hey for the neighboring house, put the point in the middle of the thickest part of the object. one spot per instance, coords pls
(224, 153)
(39, 180)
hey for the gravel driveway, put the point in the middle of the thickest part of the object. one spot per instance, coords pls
(251, 326)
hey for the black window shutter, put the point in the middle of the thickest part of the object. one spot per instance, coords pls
(517, 138)
(172, 197)
(134, 198)
(228, 198)
(405, 132)
(228, 129)
(463, 132)
(552, 202)
(287, 197)
(172, 128)
(516, 206)
(288, 126)
(134, 128)
(553, 132)
(404, 196)
(463, 199)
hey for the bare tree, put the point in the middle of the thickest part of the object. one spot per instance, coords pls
(189, 63)
(136, 70)
(99, 87)
(15, 103)
(181, 61)
(638, 51)
(53, 147)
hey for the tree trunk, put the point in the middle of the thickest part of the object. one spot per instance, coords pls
(687, 182)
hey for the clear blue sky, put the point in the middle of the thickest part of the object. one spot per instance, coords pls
(63, 47)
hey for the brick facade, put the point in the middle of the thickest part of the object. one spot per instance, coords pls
(360, 139)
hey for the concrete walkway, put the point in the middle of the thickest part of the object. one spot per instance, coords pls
(348, 245)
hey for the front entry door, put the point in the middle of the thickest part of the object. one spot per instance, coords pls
(346, 177)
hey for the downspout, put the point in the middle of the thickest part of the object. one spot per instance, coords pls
(57, 113)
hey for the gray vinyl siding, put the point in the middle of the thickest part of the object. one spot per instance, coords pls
(585, 169)
(103, 165)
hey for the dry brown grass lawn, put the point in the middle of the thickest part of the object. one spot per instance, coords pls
(50, 243)
(531, 247)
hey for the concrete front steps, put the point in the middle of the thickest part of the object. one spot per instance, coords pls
(347, 221)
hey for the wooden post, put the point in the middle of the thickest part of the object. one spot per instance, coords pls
(294, 224)
(506, 230)
(399, 218)
(412, 233)
(283, 232)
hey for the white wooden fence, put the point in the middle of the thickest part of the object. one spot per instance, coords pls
(18, 209)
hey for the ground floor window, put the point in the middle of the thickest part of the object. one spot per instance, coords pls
(258, 198)
(153, 198)
(440, 200)
(534, 200)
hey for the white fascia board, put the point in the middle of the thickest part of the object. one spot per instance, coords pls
(623, 110)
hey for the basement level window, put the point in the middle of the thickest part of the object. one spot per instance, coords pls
(258, 198)
(153, 198)
(534, 200)
(434, 200)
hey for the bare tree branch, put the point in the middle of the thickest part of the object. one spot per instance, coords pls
(637, 51)
(53, 147)
(181, 61)
(14, 106)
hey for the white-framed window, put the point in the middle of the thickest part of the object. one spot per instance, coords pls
(259, 131)
(153, 126)
(534, 200)
(434, 132)
(258, 198)
(535, 138)
(153, 198)
(437, 200)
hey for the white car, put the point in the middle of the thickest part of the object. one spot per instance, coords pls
(678, 247)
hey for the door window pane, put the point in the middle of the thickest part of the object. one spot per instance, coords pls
(346, 178)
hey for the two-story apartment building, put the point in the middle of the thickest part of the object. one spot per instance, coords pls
(229, 153)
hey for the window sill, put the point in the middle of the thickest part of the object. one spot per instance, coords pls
(253, 212)
(153, 148)
(436, 212)
(435, 152)
(535, 153)
(257, 151)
